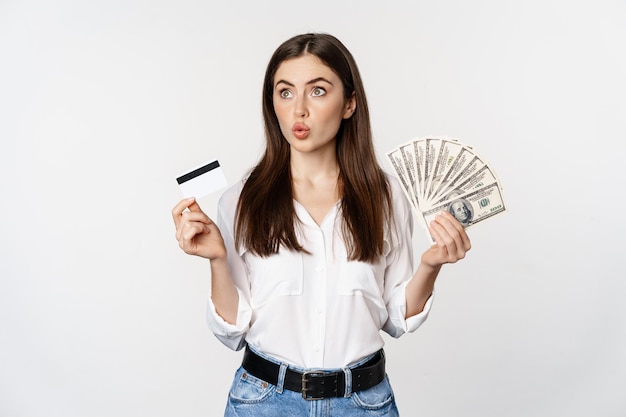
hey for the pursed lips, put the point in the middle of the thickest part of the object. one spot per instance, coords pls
(300, 130)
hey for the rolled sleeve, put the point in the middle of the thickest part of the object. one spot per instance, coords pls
(413, 322)
(397, 324)
(231, 335)
(400, 270)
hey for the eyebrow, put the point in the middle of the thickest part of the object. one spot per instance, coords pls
(313, 81)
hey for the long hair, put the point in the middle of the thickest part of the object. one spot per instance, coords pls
(266, 216)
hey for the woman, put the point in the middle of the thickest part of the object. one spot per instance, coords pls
(312, 253)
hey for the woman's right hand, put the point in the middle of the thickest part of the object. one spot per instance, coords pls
(195, 231)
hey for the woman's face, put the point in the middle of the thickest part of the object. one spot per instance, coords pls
(309, 104)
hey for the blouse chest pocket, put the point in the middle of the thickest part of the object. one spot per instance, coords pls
(275, 276)
(362, 279)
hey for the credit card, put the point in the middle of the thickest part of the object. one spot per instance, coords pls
(203, 180)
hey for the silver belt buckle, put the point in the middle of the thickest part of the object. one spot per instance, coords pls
(305, 388)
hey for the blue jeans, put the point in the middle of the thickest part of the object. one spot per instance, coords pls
(252, 397)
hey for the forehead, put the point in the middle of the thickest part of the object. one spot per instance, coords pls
(303, 69)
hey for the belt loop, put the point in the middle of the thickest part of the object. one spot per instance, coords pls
(348, 377)
(281, 378)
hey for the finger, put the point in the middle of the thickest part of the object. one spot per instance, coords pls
(192, 229)
(195, 216)
(445, 241)
(188, 217)
(195, 207)
(179, 208)
(450, 221)
(467, 244)
(452, 235)
(434, 232)
(447, 218)
(188, 234)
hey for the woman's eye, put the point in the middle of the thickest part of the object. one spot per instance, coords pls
(318, 91)
(285, 93)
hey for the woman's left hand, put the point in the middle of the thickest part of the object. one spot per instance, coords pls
(451, 241)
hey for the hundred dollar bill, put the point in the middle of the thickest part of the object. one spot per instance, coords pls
(472, 166)
(448, 152)
(395, 157)
(465, 155)
(413, 174)
(431, 150)
(481, 178)
(419, 150)
(471, 208)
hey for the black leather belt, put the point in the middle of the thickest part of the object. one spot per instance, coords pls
(317, 384)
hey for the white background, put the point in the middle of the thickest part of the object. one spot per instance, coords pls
(104, 103)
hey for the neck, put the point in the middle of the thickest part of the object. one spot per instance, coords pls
(313, 166)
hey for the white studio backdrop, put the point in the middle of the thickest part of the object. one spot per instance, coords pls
(104, 103)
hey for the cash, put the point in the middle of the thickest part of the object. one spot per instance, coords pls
(443, 174)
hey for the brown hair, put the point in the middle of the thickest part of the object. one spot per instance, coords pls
(265, 213)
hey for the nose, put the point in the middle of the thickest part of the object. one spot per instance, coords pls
(301, 108)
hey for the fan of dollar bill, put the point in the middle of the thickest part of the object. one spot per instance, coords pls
(439, 173)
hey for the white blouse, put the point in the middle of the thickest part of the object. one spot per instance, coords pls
(318, 310)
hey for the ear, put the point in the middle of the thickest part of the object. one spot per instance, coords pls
(349, 107)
